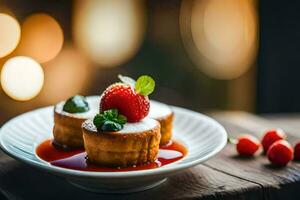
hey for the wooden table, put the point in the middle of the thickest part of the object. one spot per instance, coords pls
(226, 176)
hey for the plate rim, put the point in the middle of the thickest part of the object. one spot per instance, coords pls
(157, 171)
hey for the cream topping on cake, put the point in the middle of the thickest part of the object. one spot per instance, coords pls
(141, 126)
(93, 102)
(159, 110)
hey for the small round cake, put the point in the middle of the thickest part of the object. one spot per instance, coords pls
(135, 144)
(67, 126)
(162, 113)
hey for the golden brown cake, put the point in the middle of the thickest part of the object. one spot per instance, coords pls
(135, 144)
(67, 126)
(164, 115)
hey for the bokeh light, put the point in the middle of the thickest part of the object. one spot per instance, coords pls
(109, 31)
(42, 37)
(22, 78)
(65, 76)
(5, 10)
(223, 35)
(9, 34)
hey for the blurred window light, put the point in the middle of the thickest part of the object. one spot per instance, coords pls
(22, 78)
(220, 36)
(109, 31)
(65, 75)
(42, 37)
(9, 34)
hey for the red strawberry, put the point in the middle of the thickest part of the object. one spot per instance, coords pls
(280, 153)
(297, 151)
(131, 99)
(247, 145)
(123, 97)
(272, 136)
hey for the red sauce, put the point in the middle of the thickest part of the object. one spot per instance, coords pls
(76, 159)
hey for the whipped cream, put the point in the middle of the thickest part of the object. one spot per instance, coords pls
(141, 126)
(159, 110)
(93, 102)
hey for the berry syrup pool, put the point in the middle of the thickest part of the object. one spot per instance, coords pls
(77, 159)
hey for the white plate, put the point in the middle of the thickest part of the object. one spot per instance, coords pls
(201, 135)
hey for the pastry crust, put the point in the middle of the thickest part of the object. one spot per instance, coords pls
(117, 149)
(67, 130)
(166, 124)
(164, 114)
(67, 126)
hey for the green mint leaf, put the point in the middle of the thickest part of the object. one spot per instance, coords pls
(111, 126)
(76, 104)
(122, 119)
(111, 114)
(109, 120)
(144, 85)
(98, 120)
(127, 80)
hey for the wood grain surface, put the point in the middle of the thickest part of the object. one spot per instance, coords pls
(277, 182)
(19, 181)
(226, 176)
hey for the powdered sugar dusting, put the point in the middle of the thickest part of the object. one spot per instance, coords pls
(143, 125)
(93, 102)
(158, 110)
(129, 128)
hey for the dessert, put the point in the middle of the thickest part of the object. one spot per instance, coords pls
(114, 132)
(162, 113)
(121, 135)
(135, 144)
(68, 118)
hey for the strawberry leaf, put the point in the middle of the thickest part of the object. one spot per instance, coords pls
(109, 120)
(144, 85)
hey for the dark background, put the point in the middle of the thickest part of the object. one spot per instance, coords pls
(268, 86)
(279, 57)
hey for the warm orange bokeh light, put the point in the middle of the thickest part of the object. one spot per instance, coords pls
(9, 34)
(65, 76)
(224, 34)
(22, 78)
(42, 37)
(5, 10)
(109, 31)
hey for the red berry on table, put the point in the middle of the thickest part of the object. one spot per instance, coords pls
(280, 153)
(247, 145)
(131, 99)
(297, 151)
(272, 136)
